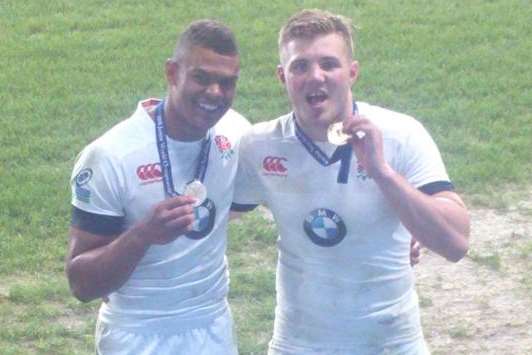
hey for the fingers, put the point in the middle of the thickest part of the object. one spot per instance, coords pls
(367, 143)
(170, 219)
(357, 127)
(354, 127)
(171, 211)
(178, 216)
(415, 252)
(179, 200)
(181, 222)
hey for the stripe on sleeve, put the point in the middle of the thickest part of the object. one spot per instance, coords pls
(96, 223)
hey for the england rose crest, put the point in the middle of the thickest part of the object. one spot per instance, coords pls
(224, 146)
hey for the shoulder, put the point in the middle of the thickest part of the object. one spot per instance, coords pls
(129, 135)
(394, 125)
(233, 117)
(232, 125)
(278, 128)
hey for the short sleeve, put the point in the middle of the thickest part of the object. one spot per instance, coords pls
(420, 159)
(95, 183)
(247, 185)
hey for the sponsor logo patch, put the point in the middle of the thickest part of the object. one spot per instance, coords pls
(324, 227)
(224, 146)
(272, 165)
(149, 173)
(81, 179)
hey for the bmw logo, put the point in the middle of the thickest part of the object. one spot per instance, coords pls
(324, 227)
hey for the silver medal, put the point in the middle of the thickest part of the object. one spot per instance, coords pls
(336, 136)
(196, 189)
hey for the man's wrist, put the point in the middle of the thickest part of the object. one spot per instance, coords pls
(137, 235)
(384, 175)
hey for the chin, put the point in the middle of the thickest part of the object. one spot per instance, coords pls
(325, 118)
(209, 121)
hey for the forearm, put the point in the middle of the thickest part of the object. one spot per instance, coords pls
(100, 271)
(439, 223)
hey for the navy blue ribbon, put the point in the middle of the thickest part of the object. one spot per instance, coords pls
(162, 148)
(342, 153)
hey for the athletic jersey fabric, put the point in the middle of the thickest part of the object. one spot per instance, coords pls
(344, 279)
(182, 284)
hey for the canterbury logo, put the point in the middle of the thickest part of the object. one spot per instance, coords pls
(149, 172)
(274, 165)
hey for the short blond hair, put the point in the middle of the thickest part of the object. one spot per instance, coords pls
(309, 24)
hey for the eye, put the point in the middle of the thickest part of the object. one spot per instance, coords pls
(298, 67)
(228, 83)
(329, 64)
(201, 78)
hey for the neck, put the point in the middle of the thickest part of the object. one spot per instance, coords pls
(317, 129)
(177, 127)
(314, 131)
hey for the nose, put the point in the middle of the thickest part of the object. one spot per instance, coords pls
(214, 90)
(316, 73)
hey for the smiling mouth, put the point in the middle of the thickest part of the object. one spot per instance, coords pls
(211, 107)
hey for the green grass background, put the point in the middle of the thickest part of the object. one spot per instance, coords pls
(69, 70)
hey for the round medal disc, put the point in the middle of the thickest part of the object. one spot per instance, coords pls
(335, 135)
(198, 190)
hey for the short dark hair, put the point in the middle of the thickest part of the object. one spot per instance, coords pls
(208, 34)
(309, 24)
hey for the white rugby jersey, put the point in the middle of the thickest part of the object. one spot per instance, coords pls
(344, 279)
(185, 282)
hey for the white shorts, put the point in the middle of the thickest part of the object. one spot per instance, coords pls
(417, 348)
(215, 338)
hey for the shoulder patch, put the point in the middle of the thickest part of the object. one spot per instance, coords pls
(81, 179)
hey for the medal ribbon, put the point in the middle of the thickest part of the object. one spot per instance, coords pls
(342, 153)
(162, 148)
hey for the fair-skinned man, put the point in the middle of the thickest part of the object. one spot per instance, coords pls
(347, 211)
(151, 201)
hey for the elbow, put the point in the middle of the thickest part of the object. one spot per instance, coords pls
(80, 295)
(76, 287)
(458, 251)
(460, 242)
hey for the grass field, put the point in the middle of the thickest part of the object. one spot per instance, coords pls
(70, 70)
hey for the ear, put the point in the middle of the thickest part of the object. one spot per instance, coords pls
(353, 71)
(172, 71)
(280, 74)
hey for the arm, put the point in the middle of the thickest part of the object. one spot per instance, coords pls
(97, 265)
(439, 221)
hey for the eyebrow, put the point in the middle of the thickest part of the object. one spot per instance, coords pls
(211, 74)
(330, 58)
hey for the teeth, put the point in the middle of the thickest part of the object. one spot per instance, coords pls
(317, 94)
(316, 97)
(208, 107)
